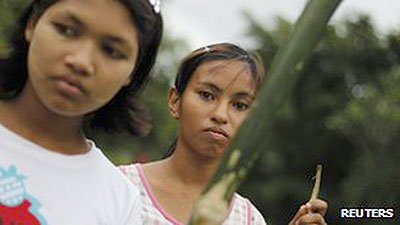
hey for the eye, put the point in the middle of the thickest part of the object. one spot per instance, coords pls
(205, 95)
(112, 52)
(65, 29)
(241, 106)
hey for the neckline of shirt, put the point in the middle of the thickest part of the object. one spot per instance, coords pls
(21, 144)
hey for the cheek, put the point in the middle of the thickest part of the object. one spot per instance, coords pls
(42, 61)
(45, 44)
(190, 113)
(193, 110)
(109, 82)
(237, 121)
(36, 58)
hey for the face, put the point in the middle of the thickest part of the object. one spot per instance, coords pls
(81, 53)
(213, 106)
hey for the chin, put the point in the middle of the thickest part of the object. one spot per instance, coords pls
(67, 110)
(216, 151)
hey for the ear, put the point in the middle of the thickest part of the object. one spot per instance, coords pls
(29, 29)
(173, 102)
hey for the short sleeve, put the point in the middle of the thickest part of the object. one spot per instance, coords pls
(134, 215)
(255, 216)
(132, 202)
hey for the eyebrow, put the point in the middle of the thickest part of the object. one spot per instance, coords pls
(212, 86)
(244, 95)
(217, 89)
(74, 19)
(108, 38)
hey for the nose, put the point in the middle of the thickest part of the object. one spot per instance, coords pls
(81, 59)
(220, 113)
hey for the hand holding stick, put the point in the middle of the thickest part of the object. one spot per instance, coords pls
(313, 212)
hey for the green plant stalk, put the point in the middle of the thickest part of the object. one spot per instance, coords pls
(252, 137)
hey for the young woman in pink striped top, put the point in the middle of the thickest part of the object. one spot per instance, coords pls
(213, 91)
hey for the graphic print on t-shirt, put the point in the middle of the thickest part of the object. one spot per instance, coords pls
(16, 205)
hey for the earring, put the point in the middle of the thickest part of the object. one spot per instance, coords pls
(175, 115)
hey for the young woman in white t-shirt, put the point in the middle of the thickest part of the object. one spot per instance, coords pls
(72, 63)
(213, 91)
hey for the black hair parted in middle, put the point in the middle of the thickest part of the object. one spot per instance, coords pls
(123, 113)
(221, 51)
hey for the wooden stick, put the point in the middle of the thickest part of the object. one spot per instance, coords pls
(317, 183)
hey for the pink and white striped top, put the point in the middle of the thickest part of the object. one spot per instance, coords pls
(241, 211)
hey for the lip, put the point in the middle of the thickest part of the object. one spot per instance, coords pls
(70, 86)
(217, 132)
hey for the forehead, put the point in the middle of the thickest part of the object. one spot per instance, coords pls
(229, 75)
(103, 16)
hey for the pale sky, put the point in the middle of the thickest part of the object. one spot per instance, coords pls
(202, 22)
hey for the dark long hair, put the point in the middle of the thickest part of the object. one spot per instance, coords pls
(221, 51)
(123, 112)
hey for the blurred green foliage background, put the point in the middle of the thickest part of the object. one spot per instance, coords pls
(344, 113)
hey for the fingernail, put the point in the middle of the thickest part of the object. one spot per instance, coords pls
(309, 205)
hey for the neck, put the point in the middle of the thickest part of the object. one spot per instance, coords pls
(24, 116)
(190, 167)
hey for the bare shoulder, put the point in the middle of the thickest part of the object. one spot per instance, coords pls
(153, 170)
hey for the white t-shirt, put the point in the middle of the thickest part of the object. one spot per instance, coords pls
(38, 186)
